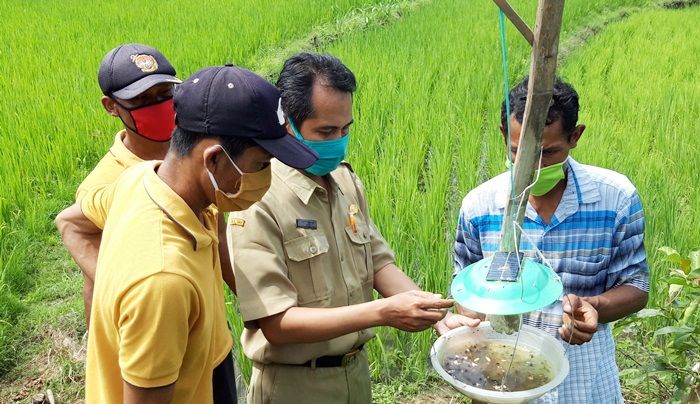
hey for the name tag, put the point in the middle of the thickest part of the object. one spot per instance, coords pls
(236, 221)
(306, 224)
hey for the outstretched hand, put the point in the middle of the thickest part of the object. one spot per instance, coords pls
(414, 310)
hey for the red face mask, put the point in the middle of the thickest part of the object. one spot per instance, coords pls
(155, 122)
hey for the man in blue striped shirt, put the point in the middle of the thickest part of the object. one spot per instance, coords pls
(588, 224)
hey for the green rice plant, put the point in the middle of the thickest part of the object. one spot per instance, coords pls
(641, 93)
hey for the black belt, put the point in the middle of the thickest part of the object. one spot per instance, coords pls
(333, 361)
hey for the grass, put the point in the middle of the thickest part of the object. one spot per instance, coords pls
(426, 114)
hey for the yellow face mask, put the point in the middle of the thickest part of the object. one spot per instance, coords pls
(251, 189)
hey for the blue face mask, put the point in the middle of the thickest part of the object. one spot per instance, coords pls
(330, 152)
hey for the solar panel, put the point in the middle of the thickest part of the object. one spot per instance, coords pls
(505, 267)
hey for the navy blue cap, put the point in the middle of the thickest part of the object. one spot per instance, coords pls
(129, 70)
(232, 101)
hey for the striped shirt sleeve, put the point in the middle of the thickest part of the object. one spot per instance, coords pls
(628, 264)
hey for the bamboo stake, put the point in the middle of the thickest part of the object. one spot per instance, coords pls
(539, 94)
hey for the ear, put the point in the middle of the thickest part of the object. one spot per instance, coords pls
(211, 156)
(504, 132)
(109, 105)
(576, 135)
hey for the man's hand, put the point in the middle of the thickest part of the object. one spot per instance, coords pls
(453, 321)
(580, 320)
(414, 310)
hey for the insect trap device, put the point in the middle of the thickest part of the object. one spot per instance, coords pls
(502, 361)
(504, 286)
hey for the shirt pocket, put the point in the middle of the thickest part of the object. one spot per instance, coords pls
(361, 251)
(307, 263)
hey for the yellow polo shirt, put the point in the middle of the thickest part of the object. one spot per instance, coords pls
(158, 315)
(299, 247)
(117, 159)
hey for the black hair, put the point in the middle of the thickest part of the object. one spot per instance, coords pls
(298, 76)
(183, 141)
(564, 104)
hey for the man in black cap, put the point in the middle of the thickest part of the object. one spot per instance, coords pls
(137, 85)
(158, 330)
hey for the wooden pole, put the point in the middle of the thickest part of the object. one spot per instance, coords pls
(539, 94)
(516, 20)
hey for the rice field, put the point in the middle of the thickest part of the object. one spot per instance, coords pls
(427, 113)
(53, 129)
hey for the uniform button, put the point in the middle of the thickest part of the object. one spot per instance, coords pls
(313, 249)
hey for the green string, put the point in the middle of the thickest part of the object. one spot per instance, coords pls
(506, 87)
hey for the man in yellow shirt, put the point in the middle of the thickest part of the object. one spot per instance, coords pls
(158, 332)
(137, 85)
(308, 257)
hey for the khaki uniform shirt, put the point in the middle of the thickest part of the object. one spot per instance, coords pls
(303, 246)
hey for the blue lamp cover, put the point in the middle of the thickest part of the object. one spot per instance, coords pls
(537, 286)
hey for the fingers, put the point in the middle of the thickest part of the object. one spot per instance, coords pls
(469, 313)
(436, 303)
(456, 320)
(580, 324)
(586, 318)
(441, 327)
(573, 335)
(431, 315)
(571, 303)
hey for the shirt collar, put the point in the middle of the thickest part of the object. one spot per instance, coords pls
(177, 209)
(121, 153)
(302, 186)
(586, 189)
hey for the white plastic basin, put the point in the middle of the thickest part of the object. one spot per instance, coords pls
(531, 338)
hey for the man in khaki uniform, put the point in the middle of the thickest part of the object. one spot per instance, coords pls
(307, 258)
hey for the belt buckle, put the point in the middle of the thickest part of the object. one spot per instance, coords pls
(348, 357)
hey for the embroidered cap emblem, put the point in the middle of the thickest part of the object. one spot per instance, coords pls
(146, 63)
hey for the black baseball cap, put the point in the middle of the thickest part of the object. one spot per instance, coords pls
(232, 101)
(129, 70)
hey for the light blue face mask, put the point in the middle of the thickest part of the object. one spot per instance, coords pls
(330, 152)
